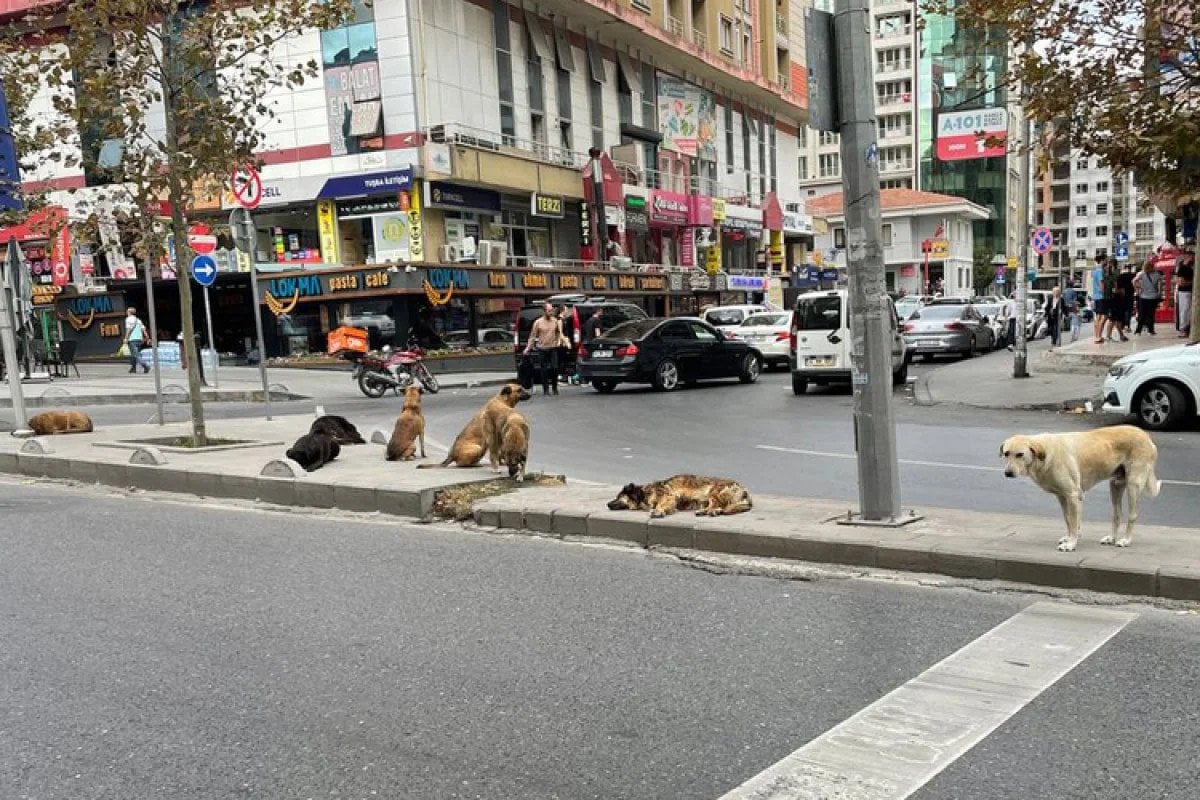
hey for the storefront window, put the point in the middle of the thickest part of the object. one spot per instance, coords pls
(301, 332)
(374, 316)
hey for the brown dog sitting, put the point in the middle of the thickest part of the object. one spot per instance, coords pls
(482, 434)
(514, 445)
(710, 497)
(51, 422)
(410, 429)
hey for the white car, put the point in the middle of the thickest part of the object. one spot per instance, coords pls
(1159, 388)
(488, 337)
(768, 332)
(728, 318)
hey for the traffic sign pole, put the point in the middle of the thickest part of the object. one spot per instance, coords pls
(244, 234)
(211, 343)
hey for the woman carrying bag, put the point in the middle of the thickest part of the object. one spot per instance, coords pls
(135, 339)
(1148, 285)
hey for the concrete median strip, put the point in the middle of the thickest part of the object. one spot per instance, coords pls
(1163, 562)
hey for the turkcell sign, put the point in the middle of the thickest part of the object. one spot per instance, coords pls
(963, 135)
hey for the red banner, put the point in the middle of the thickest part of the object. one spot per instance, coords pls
(60, 256)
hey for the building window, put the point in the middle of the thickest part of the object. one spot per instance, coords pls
(892, 25)
(1081, 254)
(773, 149)
(596, 92)
(893, 59)
(564, 64)
(1144, 231)
(1081, 233)
(1102, 187)
(886, 237)
(1101, 230)
(1101, 208)
(1081, 211)
(895, 125)
(802, 167)
(896, 183)
(839, 238)
(504, 73)
(1081, 164)
(829, 165)
(726, 35)
(826, 138)
(729, 147)
(1081, 188)
(649, 99)
(887, 92)
(747, 44)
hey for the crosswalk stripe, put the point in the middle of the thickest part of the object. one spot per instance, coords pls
(896, 745)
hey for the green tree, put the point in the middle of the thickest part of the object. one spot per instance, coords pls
(161, 97)
(1119, 79)
(983, 273)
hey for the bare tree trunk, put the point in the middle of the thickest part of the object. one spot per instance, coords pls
(175, 196)
(1195, 337)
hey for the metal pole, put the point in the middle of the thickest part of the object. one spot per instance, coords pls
(258, 327)
(870, 327)
(598, 205)
(158, 398)
(211, 345)
(9, 344)
(1021, 352)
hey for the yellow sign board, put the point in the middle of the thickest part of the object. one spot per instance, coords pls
(940, 249)
(327, 227)
(1012, 262)
(416, 233)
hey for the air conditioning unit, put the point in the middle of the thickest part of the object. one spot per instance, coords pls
(621, 262)
(447, 254)
(438, 134)
(492, 254)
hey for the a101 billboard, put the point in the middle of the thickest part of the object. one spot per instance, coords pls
(963, 135)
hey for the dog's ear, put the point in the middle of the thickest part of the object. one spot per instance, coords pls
(1038, 451)
(506, 391)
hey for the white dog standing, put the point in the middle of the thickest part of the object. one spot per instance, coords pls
(1068, 464)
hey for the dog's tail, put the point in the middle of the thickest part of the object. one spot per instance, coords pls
(1153, 484)
(444, 465)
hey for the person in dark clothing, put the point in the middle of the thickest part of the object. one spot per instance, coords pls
(591, 328)
(424, 334)
(1056, 313)
(1122, 302)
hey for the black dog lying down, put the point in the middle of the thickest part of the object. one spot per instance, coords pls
(314, 450)
(339, 428)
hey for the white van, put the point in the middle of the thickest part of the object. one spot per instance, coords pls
(820, 341)
(728, 318)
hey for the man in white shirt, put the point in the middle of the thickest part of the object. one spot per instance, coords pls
(1009, 315)
(135, 339)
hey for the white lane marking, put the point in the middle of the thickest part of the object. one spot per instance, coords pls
(918, 463)
(894, 746)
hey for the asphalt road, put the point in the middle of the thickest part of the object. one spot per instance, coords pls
(153, 649)
(774, 441)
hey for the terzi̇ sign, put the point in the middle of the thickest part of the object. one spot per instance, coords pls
(547, 205)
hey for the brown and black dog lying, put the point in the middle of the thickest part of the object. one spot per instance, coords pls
(338, 428)
(483, 434)
(52, 422)
(410, 428)
(314, 450)
(710, 497)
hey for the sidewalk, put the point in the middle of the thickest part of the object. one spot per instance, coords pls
(988, 382)
(110, 384)
(1087, 357)
(1163, 562)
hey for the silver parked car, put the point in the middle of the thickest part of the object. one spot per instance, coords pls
(947, 329)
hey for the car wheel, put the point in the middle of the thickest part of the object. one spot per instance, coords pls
(666, 376)
(1160, 406)
(900, 376)
(604, 387)
(751, 368)
(973, 350)
(799, 385)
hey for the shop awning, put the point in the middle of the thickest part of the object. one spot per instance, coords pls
(40, 225)
(366, 119)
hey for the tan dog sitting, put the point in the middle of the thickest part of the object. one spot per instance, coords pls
(482, 434)
(514, 445)
(1068, 464)
(410, 429)
(52, 422)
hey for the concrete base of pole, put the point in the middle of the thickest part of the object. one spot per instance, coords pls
(854, 518)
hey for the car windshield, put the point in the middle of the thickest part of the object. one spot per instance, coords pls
(765, 319)
(988, 309)
(632, 330)
(819, 313)
(726, 316)
(940, 312)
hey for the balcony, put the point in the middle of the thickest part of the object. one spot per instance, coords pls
(888, 167)
(892, 67)
(700, 38)
(887, 100)
(675, 27)
(782, 40)
(493, 142)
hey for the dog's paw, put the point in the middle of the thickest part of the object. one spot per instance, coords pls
(1064, 540)
(1124, 542)
(1107, 540)
(1066, 545)
(657, 515)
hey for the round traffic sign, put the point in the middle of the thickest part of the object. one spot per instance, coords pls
(1042, 240)
(204, 270)
(247, 187)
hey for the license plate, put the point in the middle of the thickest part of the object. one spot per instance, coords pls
(602, 354)
(928, 345)
(820, 361)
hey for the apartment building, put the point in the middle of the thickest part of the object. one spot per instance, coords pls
(1087, 207)
(895, 38)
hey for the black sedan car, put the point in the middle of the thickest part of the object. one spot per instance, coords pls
(665, 353)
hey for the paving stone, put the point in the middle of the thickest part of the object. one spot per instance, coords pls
(570, 523)
(512, 519)
(205, 484)
(355, 498)
(625, 526)
(399, 503)
(85, 471)
(240, 487)
(1179, 582)
(278, 491)
(314, 494)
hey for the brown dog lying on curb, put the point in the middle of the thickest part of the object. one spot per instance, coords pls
(482, 434)
(52, 422)
(1068, 464)
(410, 428)
(710, 497)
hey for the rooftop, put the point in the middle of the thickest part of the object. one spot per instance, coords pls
(896, 200)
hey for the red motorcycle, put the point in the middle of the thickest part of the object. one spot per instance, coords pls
(395, 370)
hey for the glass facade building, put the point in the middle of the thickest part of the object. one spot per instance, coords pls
(962, 69)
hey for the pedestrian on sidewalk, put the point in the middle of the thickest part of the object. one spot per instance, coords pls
(544, 338)
(1008, 316)
(1071, 303)
(1099, 303)
(1183, 297)
(135, 340)
(1056, 312)
(1149, 287)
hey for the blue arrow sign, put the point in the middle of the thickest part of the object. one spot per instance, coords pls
(1121, 252)
(1122, 238)
(204, 270)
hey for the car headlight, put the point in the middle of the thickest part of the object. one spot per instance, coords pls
(1121, 370)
